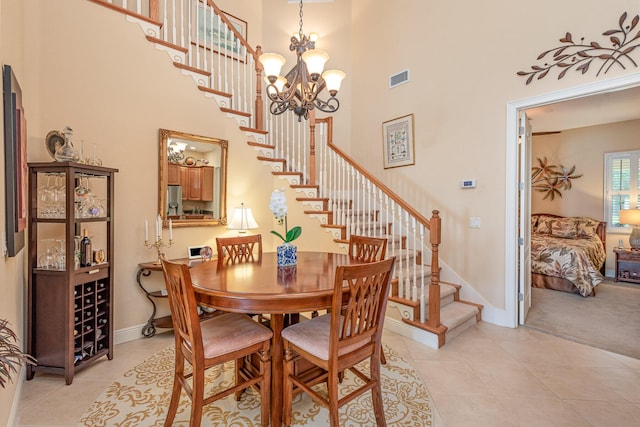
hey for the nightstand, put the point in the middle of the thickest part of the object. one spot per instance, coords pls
(627, 265)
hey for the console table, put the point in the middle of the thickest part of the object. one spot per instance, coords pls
(144, 270)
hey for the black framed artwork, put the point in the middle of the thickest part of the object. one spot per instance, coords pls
(15, 161)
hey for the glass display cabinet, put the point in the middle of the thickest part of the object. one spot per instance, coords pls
(70, 308)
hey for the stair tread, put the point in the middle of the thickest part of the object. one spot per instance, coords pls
(445, 291)
(456, 313)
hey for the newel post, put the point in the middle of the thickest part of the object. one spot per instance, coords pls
(434, 288)
(154, 10)
(259, 105)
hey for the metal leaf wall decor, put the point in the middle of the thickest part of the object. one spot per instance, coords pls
(580, 56)
(551, 179)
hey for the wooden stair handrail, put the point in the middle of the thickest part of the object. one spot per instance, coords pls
(417, 215)
(433, 225)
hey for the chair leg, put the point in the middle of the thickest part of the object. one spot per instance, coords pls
(332, 388)
(383, 358)
(175, 400)
(378, 406)
(265, 386)
(287, 392)
(238, 366)
(197, 396)
(176, 389)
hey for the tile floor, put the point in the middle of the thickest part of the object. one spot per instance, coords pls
(487, 376)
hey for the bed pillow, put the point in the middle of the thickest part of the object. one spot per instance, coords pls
(586, 227)
(544, 225)
(564, 227)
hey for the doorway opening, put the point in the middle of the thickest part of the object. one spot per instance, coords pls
(514, 286)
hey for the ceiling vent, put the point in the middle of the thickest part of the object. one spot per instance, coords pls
(398, 79)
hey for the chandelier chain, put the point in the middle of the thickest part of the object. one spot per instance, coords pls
(300, 31)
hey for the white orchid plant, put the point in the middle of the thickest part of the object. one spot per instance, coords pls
(278, 205)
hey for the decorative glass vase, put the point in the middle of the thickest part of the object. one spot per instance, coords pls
(287, 255)
(67, 153)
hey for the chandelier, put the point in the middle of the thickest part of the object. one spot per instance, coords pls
(299, 89)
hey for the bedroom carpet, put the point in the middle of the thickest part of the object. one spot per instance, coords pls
(610, 320)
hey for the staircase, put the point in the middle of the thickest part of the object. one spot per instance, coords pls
(332, 188)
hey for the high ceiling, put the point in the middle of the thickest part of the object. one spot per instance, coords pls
(591, 110)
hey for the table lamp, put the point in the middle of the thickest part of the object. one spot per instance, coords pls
(242, 220)
(632, 217)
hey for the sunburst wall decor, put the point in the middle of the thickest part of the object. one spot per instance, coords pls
(551, 179)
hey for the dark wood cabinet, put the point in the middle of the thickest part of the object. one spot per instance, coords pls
(70, 308)
(627, 265)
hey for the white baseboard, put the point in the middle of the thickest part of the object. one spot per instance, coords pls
(408, 331)
(128, 334)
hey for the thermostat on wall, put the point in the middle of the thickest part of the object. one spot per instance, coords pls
(468, 183)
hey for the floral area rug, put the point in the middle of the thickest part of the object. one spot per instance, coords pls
(141, 398)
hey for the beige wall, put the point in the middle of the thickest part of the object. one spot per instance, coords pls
(584, 148)
(463, 59)
(12, 270)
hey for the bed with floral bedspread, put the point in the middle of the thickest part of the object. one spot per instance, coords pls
(567, 253)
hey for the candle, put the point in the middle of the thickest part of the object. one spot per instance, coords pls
(146, 230)
(158, 232)
(170, 230)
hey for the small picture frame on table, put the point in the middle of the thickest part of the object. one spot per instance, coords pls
(194, 252)
(397, 142)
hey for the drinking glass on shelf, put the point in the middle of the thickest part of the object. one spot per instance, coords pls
(59, 196)
(48, 260)
(95, 161)
(62, 259)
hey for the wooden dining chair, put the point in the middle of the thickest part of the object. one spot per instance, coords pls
(234, 250)
(337, 341)
(227, 337)
(367, 248)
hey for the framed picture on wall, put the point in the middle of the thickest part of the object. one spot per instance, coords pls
(213, 33)
(397, 141)
(15, 161)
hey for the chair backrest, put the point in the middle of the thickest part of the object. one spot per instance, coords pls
(360, 299)
(367, 249)
(184, 309)
(234, 250)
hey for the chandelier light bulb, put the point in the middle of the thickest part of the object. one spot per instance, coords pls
(333, 80)
(314, 37)
(315, 60)
(272, 63)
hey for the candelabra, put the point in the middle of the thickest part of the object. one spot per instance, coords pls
(158, 244)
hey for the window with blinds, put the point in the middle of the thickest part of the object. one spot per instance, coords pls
(622, 186)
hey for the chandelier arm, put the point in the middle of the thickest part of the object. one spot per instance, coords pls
(329, 106)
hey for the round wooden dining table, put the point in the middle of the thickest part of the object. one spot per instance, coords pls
(263, 287)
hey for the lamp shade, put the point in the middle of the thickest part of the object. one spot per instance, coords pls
(333, 79)
(272, 63)
(632, 217)
(242, 219)
(315, 60)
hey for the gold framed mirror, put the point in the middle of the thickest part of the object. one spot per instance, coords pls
(192, 183)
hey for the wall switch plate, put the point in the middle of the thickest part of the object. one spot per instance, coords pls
(474, 222)
(468, 183)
